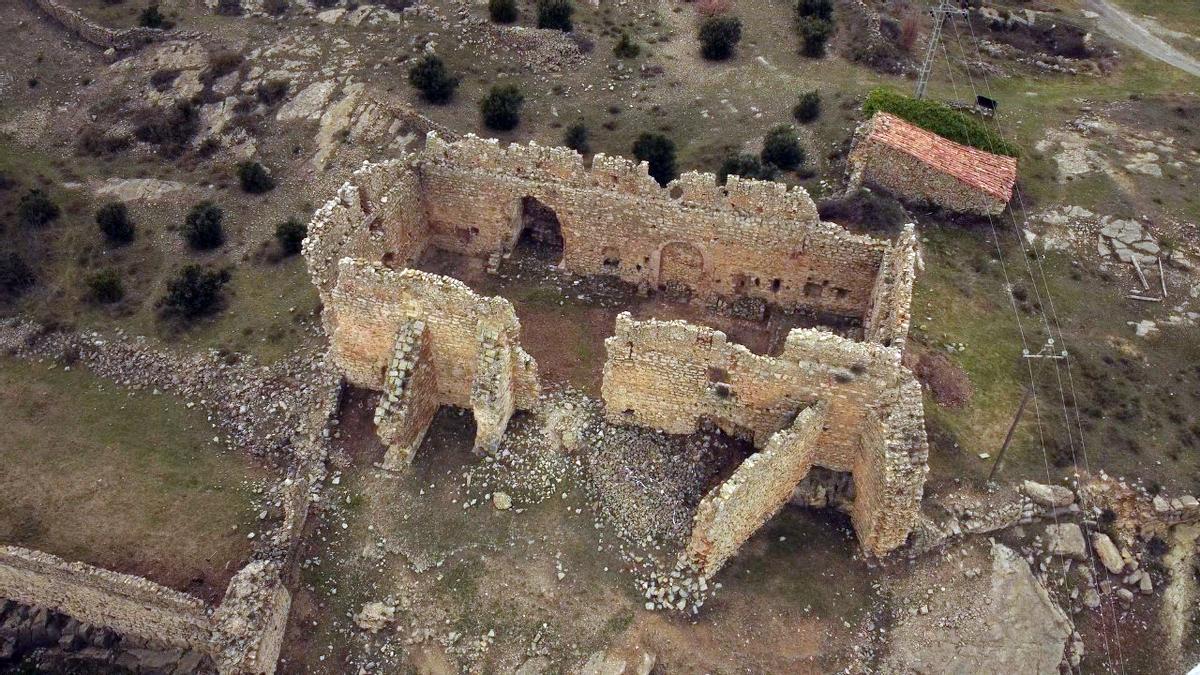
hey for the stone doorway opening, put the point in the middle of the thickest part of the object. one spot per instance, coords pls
(540, 235)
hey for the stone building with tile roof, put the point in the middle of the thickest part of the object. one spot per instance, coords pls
(919, 166)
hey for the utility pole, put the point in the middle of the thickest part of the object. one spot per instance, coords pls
(944, 8)
(1009, 436)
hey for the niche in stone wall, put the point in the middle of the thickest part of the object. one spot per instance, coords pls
(540, 235)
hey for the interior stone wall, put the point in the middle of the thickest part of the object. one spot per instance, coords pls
(734, 510)
(889, 314)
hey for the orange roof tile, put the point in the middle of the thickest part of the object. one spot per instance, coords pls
(993, 174)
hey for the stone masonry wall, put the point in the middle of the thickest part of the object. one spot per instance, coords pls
(409, 399)
(734, 510)
(125, 603)
(369, 305)
(750, 238)
(889, 315)
(671, 375)
(98, 35)
(910, 179)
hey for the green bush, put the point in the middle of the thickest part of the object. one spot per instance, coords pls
(719, 36)
(555, 14)
(814, 33)
(576, 138)
(430, 77)
(782, 148)
(194, 292)
(822, 9)
(203, 227)
(939, 118)
(659, 152)
(106, 287)
(15, 276)
(290, 235)
(254, 178)
(171, 129)
(501, 108)
(808, 108)
(152, 18)
(502, 11)
(229, 7)
(872, 210)
(626, 48)
(746, 166)
(36, 209)
(113, 219)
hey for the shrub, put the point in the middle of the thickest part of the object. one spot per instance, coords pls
(163, 78)
(429, 76)
(275, 7)
(202, 228)
(36, 209)
(814, 33)
(106, 287)
(15, 276)
(229, 7)
(194, 292)
(869, 209)
(555, 14)
(224, 62)
(659, 152)
(290, 234)
(152, 18)
(746, 166)
(782, 148)
(272, 91)
(171, 129)
(502, 11)
(254, 178)
(939, 118)
(113, 219)
(948, 383)
(822, 9)
(501, 108)
(626, 48)
(719, 36)
(808, 108)
(576, 138)
(96, 142)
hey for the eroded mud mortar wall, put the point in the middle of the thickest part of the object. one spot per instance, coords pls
(127, 604)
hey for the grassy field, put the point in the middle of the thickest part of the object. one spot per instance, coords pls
(128, 481)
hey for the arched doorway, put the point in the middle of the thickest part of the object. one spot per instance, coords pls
(540, 235)
(680, 267)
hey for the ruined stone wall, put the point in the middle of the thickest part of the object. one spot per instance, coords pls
(734, 510)
(889, 314)
(671, 375)
(127, 604)
(251, 621)
(409, 400)
(98, 35)
(908, 178)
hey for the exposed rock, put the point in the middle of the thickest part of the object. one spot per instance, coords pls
(502, 501)
(1107, 551)
(1050, 496)
(375, 616)
(138, 189)
(1066, 540)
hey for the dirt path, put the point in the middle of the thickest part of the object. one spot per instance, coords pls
(1120, 25)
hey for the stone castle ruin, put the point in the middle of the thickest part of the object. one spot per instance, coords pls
(426, 340)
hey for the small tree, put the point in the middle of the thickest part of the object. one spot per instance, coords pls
(290, 235)
(254, 178)
(15, 276)
(502, 11)
(194, 292)
(576, 138)
(555, 14)
(430, 77)
(814, 33)
(501, 108)
(202, 228)
(659, 152)
(229, 7)
(781, 147)
(719, 36)
(106, 287)
(822, 9)
(113, 219)
(746, 166)
(151, 17)
(626, 48)
(35, 209)
(808, 108)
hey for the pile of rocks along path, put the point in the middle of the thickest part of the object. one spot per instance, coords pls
(258, 409)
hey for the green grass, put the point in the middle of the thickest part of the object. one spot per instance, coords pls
(940, 119)
(130, 481)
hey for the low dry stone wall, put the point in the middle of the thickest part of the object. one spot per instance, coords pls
(101, 36)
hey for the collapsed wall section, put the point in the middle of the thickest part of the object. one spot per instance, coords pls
(734, 510)
(127, 604)
(473, 341)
